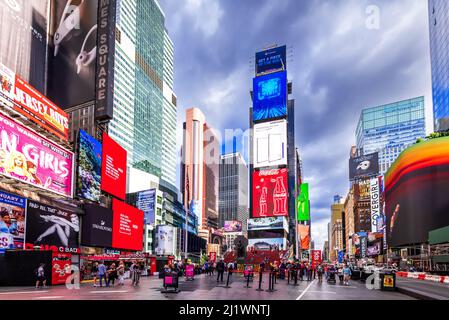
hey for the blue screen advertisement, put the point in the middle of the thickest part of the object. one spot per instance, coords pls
(12, 221)
(271, 60)
(146, 201)
(270, 96)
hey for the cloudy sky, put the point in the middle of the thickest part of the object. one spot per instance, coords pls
(341, 59)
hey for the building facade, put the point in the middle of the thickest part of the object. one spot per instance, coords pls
(233, 190)
(337, 242)
(389, 129)
(199, 171)
(349, 220)
(439, 38)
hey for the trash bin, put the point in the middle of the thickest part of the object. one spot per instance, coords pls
(171, 281)
(387, 281)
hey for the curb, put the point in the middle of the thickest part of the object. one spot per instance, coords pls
(416, 294)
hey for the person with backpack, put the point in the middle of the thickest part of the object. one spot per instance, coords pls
(40, 276)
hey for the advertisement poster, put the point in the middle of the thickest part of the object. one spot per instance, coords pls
(341, 256)
(165, 240)
(363, 247)
(374, 249)
(270, 96)
(273, 223)
(270, 195)
(271, 60)
(213, 257)
(34, 160)
(23, 35)
(375, 202)
(32, 104)
(316, 258)
(51, 228)
(364, 166)
(127, 226)
(304, 236)
(268, 244)
(61, 268)
(12, 221)
(270, 144)
(97, 226)
(304, 203)
(232, 226)
(89, 167)
(113, 168)
(190, 271)
(146, 201)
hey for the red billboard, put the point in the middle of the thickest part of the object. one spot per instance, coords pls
(113, 168)
(127, 226)
(316, 258)
(270, 193)
(61, 267)
(25, 99)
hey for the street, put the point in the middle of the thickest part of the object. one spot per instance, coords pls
(205, 288)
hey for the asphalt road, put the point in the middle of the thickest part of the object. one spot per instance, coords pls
(206, 288)
(424, 289)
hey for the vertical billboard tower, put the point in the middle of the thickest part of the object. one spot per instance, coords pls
(272, 134)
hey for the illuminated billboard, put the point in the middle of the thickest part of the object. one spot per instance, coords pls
(270, 96)
(146, 201)
(416, 190)
(268, 243)
(270, 194)
(270, 144)
(364, 166)
(304, 203)
(304, 236)
(273, 223)
(32, 159)
(232, 226)
(89, 167)
(165, 240)
(127, 226)
(113, 168)
(271, 60)
(12, 221)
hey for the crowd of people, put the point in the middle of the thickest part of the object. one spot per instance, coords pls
(115, 272)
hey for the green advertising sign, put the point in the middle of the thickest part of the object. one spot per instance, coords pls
(303, 203)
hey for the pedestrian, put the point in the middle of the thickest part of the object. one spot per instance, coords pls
(40, 276)
(309, 272)
(121, 273)
(346, 275)
(133, 270)
(206, 268)
(102, 273)
(320, 273)
(95, 273)
(302, 268)
(230, 268)
(112, 274)
(220, 270)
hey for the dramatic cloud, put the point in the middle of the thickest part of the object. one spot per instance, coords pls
(339, 62)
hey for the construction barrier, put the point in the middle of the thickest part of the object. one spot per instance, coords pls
(423, 276)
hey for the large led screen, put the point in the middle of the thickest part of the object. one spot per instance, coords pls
(268, 244)
(89, 167)
(270, 96)
(303, 203)
(113, 168)
(304, 236)
(32, 159)
(12, 221)
(271, 60)
(273, 223)
(97, 226)
(270, 193)
(364, 166)
(165, 240)
(146, 201)
(270, 144)
(232, 226)
(127, 226)
(416, 189)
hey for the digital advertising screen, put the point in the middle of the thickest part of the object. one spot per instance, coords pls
(12, 221)
(270, 144)
(316, 257)
(416, 191)
(271, 60)
(146, 201)
(232, 226)
(89, 167)
(127, 226)
(273, 223)
(165, 240)
(364, 166)
(304, 236)
(97, 226)
(270, 96)
(113, 168)
(303, 203)
(52, 228)
(32, 159)
(268, 244)
(20, 96)
(270, 193)
(61, 268)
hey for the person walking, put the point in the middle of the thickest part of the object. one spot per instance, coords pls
(102, 273)
(302, 269)
(346, 275)
(40, 276)
(121, 273)
(319, 270)
(112, 274)
(206, 268)
(230, 268)
(220, 270)
(95, 273)
(309, 272)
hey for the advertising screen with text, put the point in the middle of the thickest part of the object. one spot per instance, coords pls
(270, 194)
(127, 226)
(113, 168)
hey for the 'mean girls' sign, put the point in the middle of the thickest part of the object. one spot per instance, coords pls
(30, 158)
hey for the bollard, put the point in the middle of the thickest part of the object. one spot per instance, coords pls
(227, 281)
(260, 281)
(288, 274)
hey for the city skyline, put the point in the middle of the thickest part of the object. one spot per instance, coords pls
(214, 72)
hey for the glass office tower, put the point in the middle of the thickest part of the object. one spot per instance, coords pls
(391, 128)
(439, 51)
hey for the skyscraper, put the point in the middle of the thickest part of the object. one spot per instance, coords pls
(199, 171)
(389, 129)
(233, 189)
(337, 230)
(439, 38)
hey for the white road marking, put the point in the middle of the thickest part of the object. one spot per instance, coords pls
(23, 292)
(305, 291)
(49, 297)
(114, 291)
(331, 292)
